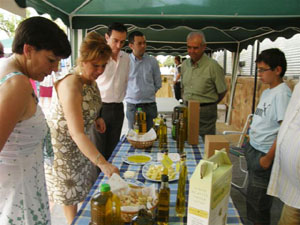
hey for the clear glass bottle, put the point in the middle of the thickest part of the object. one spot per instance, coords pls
(140, 117)
(165, 170)
(180, 200)
(181, 134)
(163, 204)
(116, 210)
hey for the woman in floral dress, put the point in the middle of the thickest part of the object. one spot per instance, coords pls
(75, 106)
(38, 46)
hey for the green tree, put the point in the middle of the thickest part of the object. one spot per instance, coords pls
(9, 25)
(169, 61)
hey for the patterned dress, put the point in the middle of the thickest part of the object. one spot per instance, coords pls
(72, 175)
(23, 194)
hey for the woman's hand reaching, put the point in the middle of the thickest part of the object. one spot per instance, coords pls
(108, 169)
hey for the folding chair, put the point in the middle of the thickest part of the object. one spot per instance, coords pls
(238, 149)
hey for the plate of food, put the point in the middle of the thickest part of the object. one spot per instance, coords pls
(152, 171)
(137, 159)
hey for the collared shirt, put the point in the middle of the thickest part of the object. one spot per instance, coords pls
(285, 178)
(269, 112)
(202, 81)
(144, 80)
(113, 82)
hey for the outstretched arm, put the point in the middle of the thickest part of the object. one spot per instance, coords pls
(69, 93)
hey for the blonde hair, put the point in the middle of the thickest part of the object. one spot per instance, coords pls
(93, 47)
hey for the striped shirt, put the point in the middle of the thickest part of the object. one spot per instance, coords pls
(285, 178)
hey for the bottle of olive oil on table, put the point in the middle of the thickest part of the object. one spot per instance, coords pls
(163, 204)
(180, 200)
(163, 138)
(140, 116)
(181, 134)
(105, 208)
(101, 206)
(116, 210)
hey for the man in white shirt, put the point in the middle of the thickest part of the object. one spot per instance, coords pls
(112, 85)
(285, 177)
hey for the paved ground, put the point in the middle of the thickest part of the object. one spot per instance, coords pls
(238, 196)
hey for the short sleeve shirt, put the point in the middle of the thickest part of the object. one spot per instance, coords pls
(269, 111)
(203, 81)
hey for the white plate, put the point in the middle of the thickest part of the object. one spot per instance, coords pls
(127, 159)
(146, 168)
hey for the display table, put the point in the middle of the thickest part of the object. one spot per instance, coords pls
(123, 148)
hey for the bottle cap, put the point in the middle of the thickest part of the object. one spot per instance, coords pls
(164, 178)
(105, 188)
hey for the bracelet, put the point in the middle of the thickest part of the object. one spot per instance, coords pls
(97, 158)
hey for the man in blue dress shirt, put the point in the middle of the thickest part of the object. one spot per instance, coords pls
(144, 80)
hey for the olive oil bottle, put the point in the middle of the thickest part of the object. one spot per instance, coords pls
(140, 117)
(181, 134)
(163, 138)
(105, 208)
(101, 206)
(163, 201)
(180, 200)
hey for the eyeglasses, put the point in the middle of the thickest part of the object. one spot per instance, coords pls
(261, 70)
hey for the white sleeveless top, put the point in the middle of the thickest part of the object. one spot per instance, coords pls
(23, 193)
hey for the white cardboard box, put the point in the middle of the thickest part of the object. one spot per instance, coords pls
(209, 191)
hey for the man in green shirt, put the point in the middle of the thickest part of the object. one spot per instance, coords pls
(203, 80)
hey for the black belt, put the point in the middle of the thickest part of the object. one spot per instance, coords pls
(112, 103)
(143, 104)
(209, 103)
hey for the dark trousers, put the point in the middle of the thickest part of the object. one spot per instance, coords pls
(208, 119)
(177, 90)
(258, 202)
(113, 115)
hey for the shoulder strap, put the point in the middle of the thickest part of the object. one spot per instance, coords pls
(9, 76)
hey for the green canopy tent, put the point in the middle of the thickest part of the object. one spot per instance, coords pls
(231, 25)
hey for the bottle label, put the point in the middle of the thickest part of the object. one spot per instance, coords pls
(166, 161)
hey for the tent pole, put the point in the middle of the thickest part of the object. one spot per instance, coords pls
(255, 79)
(233, 82)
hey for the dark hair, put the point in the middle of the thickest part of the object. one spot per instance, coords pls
(43, 34)
(177, 57)
(117, 27)
(273, 57)
(133, 34)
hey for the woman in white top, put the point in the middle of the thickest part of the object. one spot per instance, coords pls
(38, 46)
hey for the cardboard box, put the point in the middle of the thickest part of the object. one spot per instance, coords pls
(214, 142)
(209, 191)
(193, 122)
